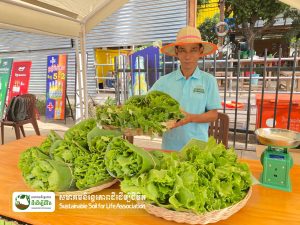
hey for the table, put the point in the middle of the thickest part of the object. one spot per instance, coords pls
(265, 207)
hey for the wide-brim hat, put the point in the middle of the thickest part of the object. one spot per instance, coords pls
(189, 35)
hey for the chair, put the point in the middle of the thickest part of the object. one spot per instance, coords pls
(31, 112)
(219, 129)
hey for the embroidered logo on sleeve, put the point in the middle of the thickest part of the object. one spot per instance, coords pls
(198, 89)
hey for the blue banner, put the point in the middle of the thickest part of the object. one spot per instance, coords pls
(56, 87)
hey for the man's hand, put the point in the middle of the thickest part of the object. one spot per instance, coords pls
(173, 124)
(206, 117)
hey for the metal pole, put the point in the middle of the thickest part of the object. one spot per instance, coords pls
(84, 70)
(277, 87)
(237, 95)
(78, 77)
(292, 88)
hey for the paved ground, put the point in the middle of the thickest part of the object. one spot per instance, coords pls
(61, 127)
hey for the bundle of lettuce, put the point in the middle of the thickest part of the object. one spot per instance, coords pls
(89, 169)
(78, 132)
(58, 163)
(123, 159)
(146, 112)
(43, 174)
(203, 177)
(51, 138)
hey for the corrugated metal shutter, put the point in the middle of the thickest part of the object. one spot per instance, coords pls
(138, 22)
(15, 41)
(36, 48)
(37, 84)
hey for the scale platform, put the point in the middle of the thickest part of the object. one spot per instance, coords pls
(276, 159)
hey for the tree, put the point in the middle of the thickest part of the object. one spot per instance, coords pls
(207, 29)
(248, 12)
(201, 2)
(293, 35)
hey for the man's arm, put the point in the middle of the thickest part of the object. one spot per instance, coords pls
(206, 117)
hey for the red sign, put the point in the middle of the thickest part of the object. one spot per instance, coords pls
(19, 80)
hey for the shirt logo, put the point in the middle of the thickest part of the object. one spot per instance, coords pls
(198, 89)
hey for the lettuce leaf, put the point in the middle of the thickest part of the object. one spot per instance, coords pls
(124, 159)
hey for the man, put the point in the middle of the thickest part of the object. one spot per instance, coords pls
(195, 90)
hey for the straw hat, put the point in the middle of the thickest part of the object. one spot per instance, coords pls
(189, 35)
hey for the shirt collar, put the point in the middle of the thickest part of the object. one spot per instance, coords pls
(196, 74)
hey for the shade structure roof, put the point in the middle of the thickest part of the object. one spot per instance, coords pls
(57, 17)
(293, 3)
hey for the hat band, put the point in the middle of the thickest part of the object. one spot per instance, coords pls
(188, 36)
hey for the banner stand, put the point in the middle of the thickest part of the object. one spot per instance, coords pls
(71, 114)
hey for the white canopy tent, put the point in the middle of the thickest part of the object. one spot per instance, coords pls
(68, 18)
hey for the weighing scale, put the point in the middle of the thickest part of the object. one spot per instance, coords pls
(276, 159)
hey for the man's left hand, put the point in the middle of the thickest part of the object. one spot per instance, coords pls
(185, 120)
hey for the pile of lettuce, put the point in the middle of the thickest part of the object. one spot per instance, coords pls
(203, 177)
(42, 173)
(146, 112)
(75, 162)
(123, 159)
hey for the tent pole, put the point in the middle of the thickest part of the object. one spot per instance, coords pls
(79, 79)
(84, 70)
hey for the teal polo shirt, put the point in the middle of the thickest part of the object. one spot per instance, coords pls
(196, 95)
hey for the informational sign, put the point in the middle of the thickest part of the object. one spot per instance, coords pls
(5, 70)
(19, 80)
(56, 87)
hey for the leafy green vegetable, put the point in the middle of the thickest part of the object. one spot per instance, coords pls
(147, 112)
(29, 158)
(98, 139)
(78, 132)
(66, 151)
(201, 178)
(90, 171)
(43, 174)
(50, 175)
(51, 138)
(124, 159)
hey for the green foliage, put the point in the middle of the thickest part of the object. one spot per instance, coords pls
(90, 170)
(149, 113)
(247, 13)
(43, 174)
(41, 106)
(202, 2)
(123, 159)
(251, 11)
(79, 132)
(60, 164)
(207, 29)
(51, 138)
(293, 35)
(202, 177)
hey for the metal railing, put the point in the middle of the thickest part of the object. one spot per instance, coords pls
(236, 84)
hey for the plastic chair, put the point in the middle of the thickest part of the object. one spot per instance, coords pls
(219, 129)
(31, 112)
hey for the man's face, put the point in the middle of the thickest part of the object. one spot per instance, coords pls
(188, 55)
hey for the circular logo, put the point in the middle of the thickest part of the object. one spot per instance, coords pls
(22, 202)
